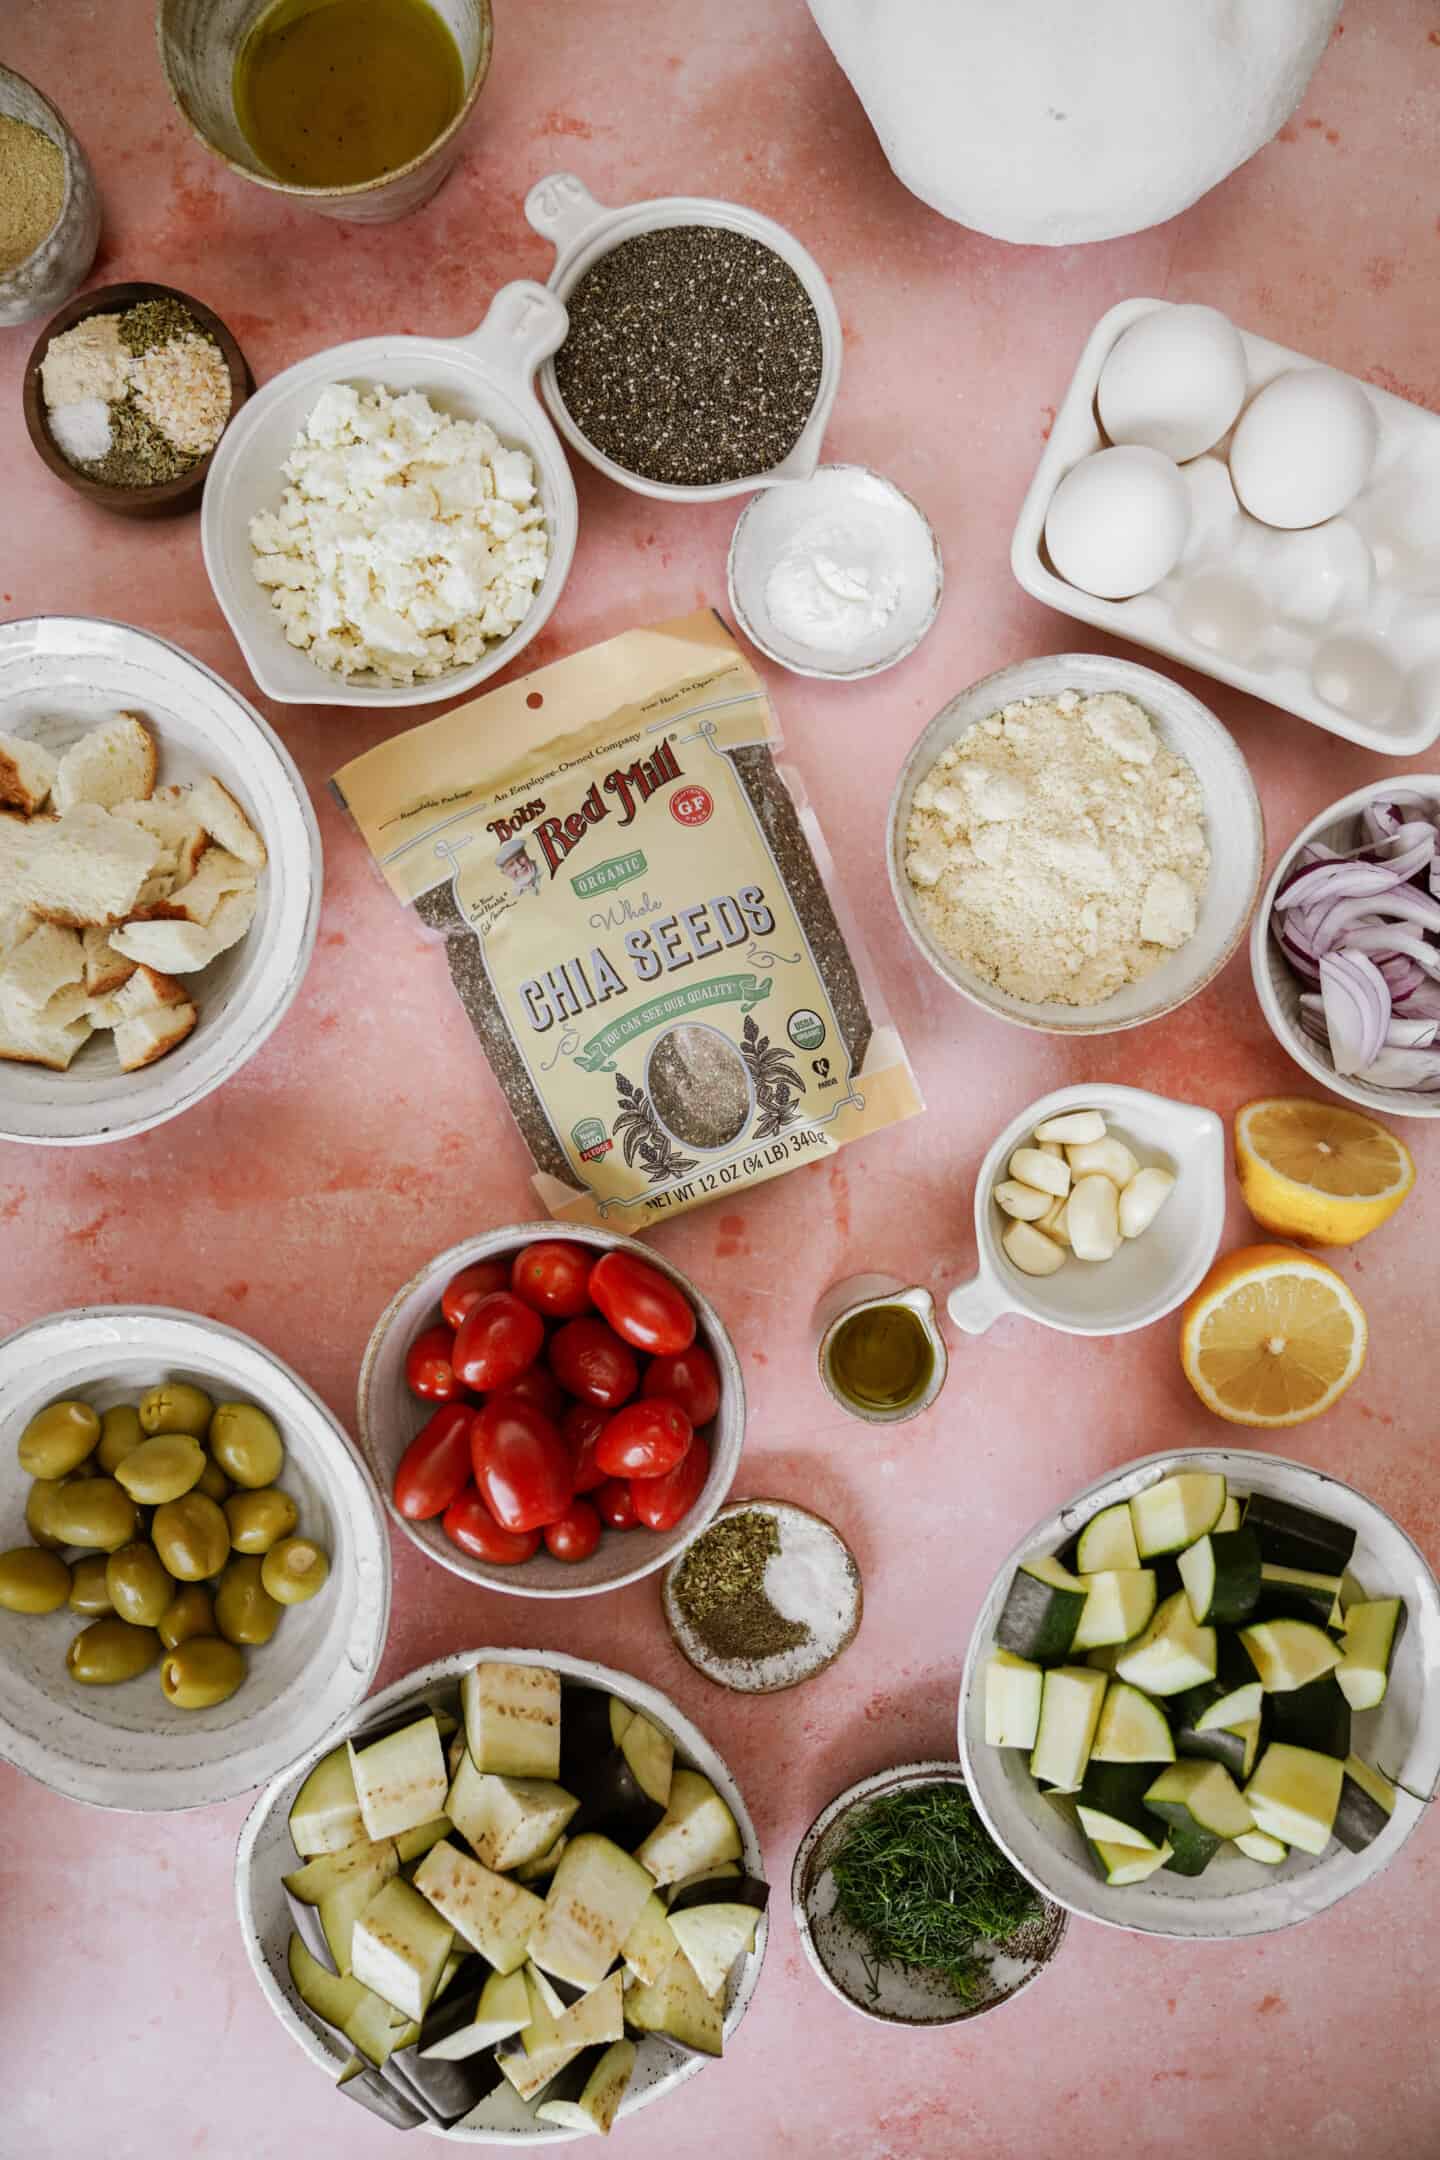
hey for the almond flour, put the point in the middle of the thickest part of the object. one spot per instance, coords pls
(1058, 848)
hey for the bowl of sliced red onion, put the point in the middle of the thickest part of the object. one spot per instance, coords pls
(1345, 947)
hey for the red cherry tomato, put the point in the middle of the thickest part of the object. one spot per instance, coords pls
(498, 1338)
(642, 1305)
(429, 1370)
(580, 1428)
(614, 1505)
(522, 1466)
(662, 1502)
(553, 1277)
(469, 1524)
(470, 1285)
(689, 1377)
(536, 1385)
(644, 1440)
(576, 1534)
(589, 1360)
(436, 1465)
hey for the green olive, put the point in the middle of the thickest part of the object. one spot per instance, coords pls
(212, 1481)
(162, 1468)
(294, 1570)
(246, 1444)
(191, 1537)
(109, 1651)
(33, 1580)
(93, 1512)
(120, 1434)
(176, 1406)
(245, 1612)
(259, 1520)
(88, 1593)
(201, 1672)
(58, 1438)
(39, 1506)
(138, 1585)
(190, 1612)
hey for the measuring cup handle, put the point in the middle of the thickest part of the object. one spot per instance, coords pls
(976, 1305)
(562, 210)
(523, 325)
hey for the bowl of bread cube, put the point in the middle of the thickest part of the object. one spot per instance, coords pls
(160, 879)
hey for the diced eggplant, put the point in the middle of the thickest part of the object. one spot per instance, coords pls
(548, 1997)
(1171, 1514)
(1107, 1541)
(400, 1779)
(696, 1831)
(1221, 1574)
(1288, 1653)
(1041, 1611)
(543, 1866)
(331, 1891)
(541, 2052)
(1012, 1700)
(400, 1946)
(1124, 1864)
(714, 1932)
(1314, 1716)
(1069, 1713)
(1296, 1537)
(1118, 1604)
(1111, 1805)
(1298, 1594)
(360, 2081)
(474, 2017)
(678, 2006)
(331, 1871)
(620, 1716)
(325, 1814)
(650, 1944)
(1132, 1728)
(508, 1820)
(414, 1844)
(1295, 1793)
(1259, 1845)
(373, 2029)
(1373, 1627)
(306, 1921)
(512, 1718)
(331, 1996)
(491, 1913)
(1172, 1654)
(593, 1767)
(595, 1897)
(719, 1889)
(651, 1756)
(587, 2093)
(446, 2087)
(722, 1871)
(1367, 1801)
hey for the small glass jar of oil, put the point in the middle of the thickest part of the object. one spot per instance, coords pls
(879, 1350)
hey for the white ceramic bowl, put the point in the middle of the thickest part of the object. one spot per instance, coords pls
(1234, 827)
(126, 1747)
(389, 1417)
(908, 550)
(1151, 1274)
(1234, 1896)
(1277, 985)
(485, 376)
(265, 1853)
(62, 674)
(563, 211)
(844, 1961)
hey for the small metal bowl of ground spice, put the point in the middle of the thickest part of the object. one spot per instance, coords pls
(768, 1596)
(49, 211)
(907, 1908)
(703, 354)
(127, 393)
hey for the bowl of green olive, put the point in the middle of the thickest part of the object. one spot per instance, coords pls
(194, 1571)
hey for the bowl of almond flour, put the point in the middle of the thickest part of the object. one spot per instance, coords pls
(1076, 844)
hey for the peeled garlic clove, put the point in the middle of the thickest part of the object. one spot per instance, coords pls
(1055, 1224)
(1142, 1199)
(1031, 1252)
(1047, 1173)
(1092, 1216)
(1023, 1201)
(1051, 1147)
(1102, 1158)
(1072, 1126)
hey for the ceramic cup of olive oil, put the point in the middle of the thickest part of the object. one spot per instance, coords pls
(878, 1348)
(354, 107)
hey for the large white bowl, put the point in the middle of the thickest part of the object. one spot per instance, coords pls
(1234, 1896)
(62, 674)
(265, 1853)
(1277, 985)
(389, 1416)
(126, 1746)
(485, 376)
(1234, 827)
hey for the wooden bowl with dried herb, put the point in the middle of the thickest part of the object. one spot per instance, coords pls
(127, 394)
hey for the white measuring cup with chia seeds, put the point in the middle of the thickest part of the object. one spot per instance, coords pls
(581, 230)
(878, 1348)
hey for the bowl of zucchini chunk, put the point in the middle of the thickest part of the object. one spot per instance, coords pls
(522, 1898)
(1203, 1699)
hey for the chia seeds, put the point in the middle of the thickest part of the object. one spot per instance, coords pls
(698, 1087)
(693, 356)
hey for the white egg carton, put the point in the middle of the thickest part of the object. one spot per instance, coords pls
(1340, 623)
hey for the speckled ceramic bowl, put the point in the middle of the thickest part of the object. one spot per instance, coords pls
(126, 1746)
(61, 262)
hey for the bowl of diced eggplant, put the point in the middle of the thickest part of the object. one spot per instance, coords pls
(1203, 1700)
(522, 1898)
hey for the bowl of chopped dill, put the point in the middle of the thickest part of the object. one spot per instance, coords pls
(907, 1908)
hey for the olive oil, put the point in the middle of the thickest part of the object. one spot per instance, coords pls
(881, 1358)
(331, 93)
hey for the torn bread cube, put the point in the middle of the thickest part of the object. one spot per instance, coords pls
(106, 970)
(104, 1012)
(114, 763)
(16, 924)
(21, 840)
(71, 1003)
(27, 774)
(147, 990)
(220, 874)
(151, 1015)
(180, 948)
(88, 869)
(170, 819)
(49, 960)
(41, 1040)
(226, 822)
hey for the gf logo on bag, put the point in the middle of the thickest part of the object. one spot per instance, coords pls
(691, 804)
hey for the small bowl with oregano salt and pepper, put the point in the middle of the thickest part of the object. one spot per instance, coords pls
(768, 1596)
(127, 393)
(703, 353)
(49, 211)
(909, 1911)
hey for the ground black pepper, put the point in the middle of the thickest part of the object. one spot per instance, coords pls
(693, 356)
(720, 1591)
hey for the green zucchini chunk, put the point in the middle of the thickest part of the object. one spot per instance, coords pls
(1172, 1653)
(1069, 1713)
(1124, 1864)
(1200, 1796)
(1221, 1574)
(1314, 1716)
(1372, 1630)
(1288, 1653)
(1118, 1604)
(1111, 1805)
(1367, 1801)
(1294, 1794)
(1041, 1611)
(1170, 1515)
(1296, 1537)
(1107, 1541)
(1132, 1728)
(1298, 1594)
(1012, 1700)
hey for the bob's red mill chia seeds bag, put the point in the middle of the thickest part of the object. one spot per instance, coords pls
(637, 921)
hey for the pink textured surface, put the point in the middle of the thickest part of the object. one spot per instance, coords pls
(368, 1135)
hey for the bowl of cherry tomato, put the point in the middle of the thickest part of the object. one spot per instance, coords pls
(551, 1415)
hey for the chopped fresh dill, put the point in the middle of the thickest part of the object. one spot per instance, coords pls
(920, 1878)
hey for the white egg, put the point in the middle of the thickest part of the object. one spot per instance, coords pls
(1304, 447)
(1118, 522)
(1173, 381)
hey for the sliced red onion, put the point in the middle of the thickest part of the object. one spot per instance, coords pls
(1357, 1009)
(1418, 1070)
(1411, 1034)
(1402, 975)
(1387, 940)
(1383, 817)
(1343, 881)
(1421, 1003)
